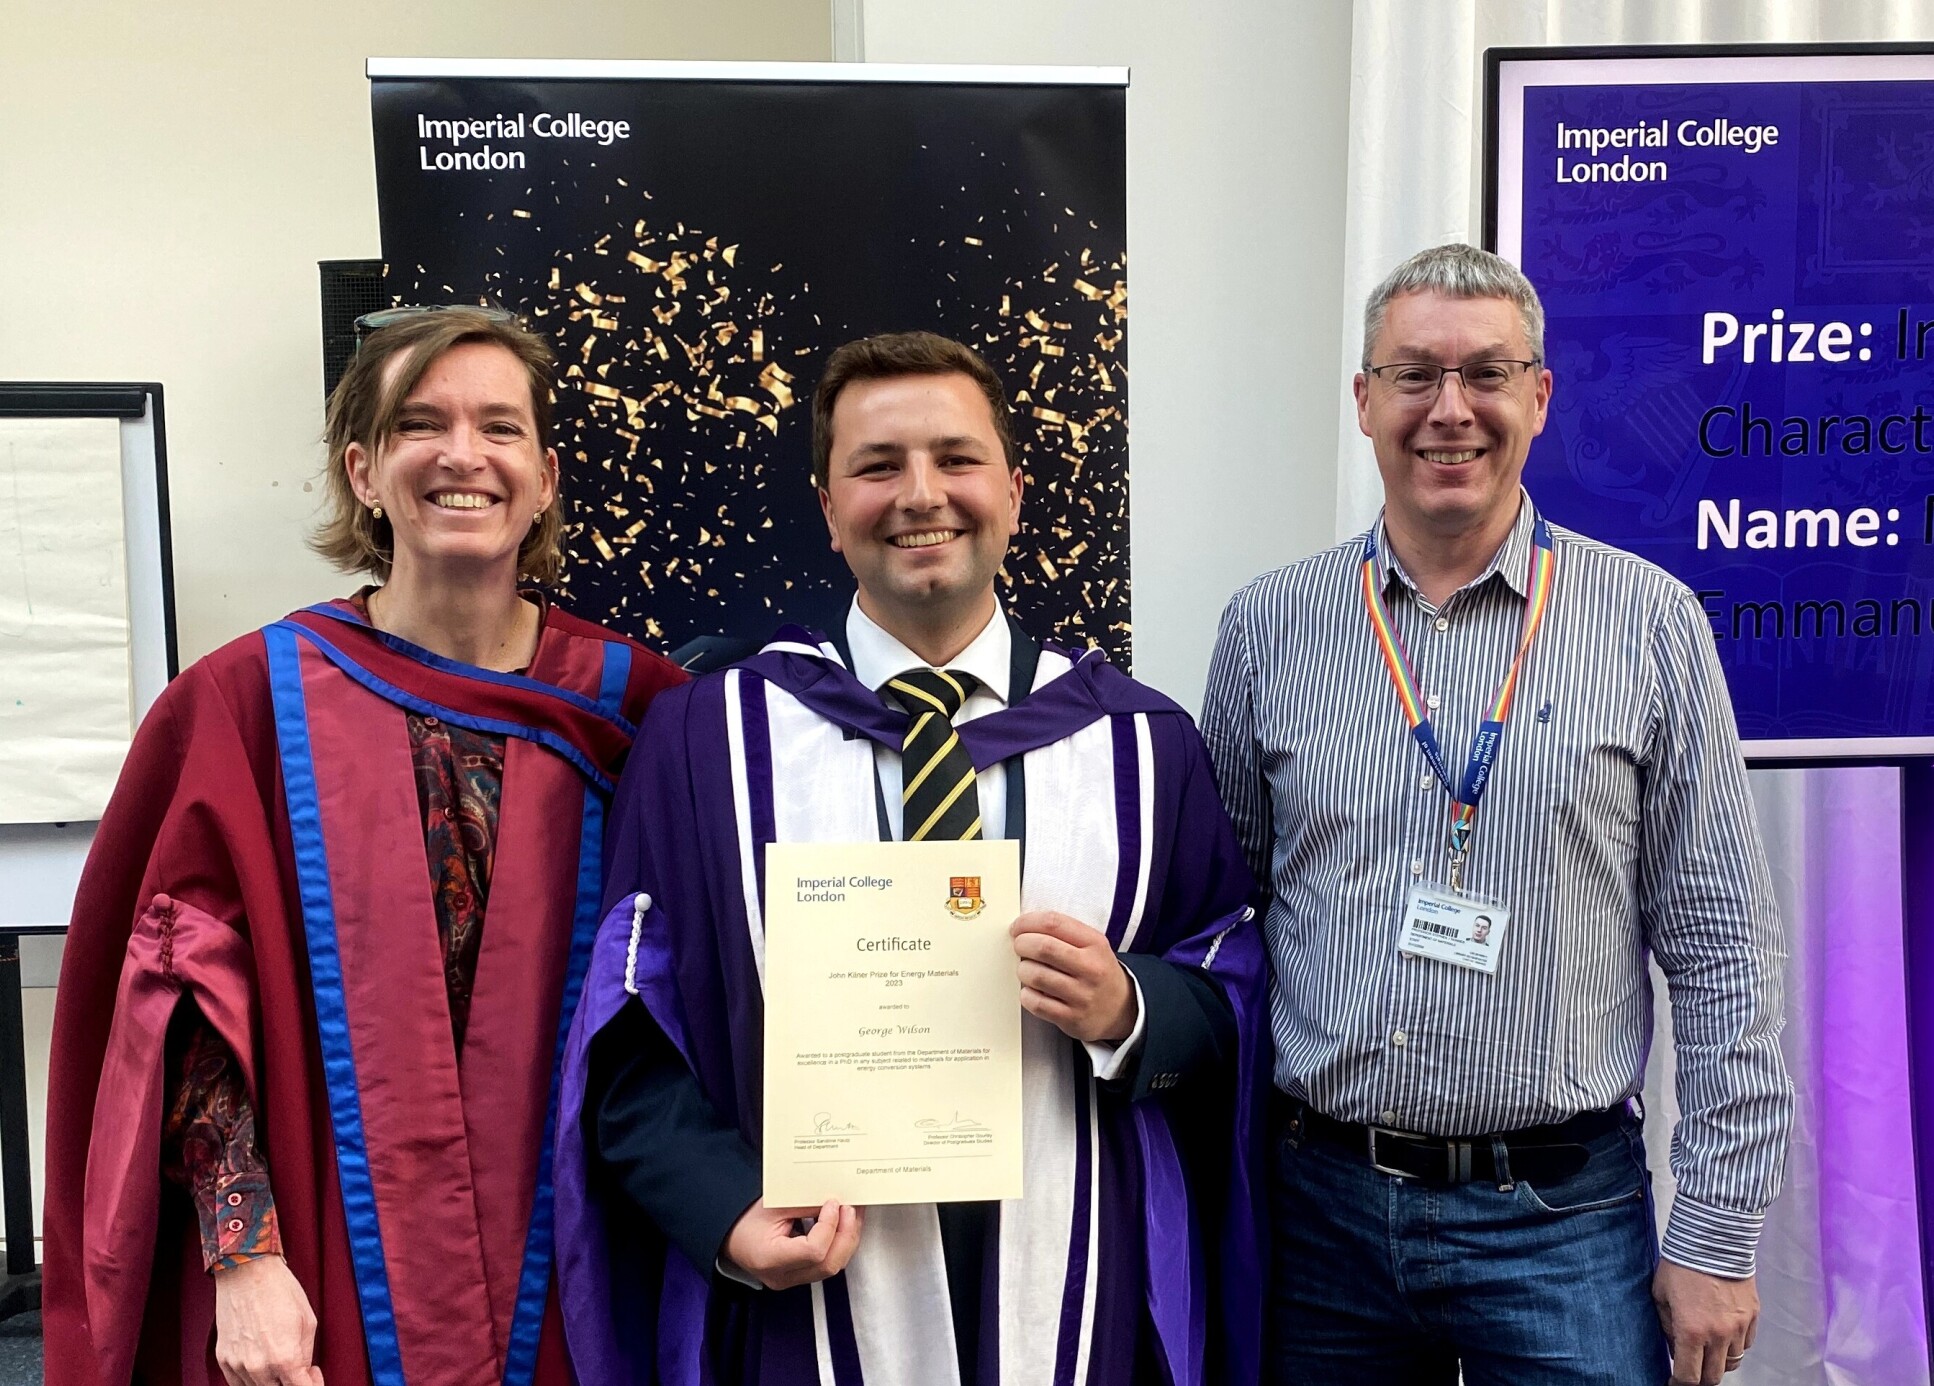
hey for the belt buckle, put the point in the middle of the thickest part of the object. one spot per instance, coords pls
(1378, 1165)
(1456, 1153)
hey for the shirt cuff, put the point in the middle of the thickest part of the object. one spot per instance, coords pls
(238, 1222)
(1110, 1058)
(1715, 1241)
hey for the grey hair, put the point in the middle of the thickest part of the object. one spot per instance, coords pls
(1458, 271)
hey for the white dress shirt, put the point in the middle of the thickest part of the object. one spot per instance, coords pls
(879, 657)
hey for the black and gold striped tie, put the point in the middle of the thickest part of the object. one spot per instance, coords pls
(939, 800)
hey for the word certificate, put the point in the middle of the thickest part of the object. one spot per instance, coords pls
(893, 1023)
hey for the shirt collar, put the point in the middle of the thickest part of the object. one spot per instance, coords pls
(879, 656)
(1512, 561)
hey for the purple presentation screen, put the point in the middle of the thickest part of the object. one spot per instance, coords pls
(1736, 258)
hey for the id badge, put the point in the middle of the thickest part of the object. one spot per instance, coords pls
(1463, 930)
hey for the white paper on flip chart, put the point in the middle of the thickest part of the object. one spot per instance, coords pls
(66, 678)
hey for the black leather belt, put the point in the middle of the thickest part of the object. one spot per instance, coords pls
(1538, 1154)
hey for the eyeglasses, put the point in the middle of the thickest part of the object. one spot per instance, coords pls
(1420, 379)
(389, 317)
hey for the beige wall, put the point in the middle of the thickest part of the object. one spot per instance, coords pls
(169, 176)
(37, 1024)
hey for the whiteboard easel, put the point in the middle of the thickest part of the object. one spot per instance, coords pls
(40, 863)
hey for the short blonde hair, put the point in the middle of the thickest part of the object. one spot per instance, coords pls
(363, 409)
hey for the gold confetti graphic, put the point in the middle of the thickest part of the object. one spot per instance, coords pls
(680, 404)
(1058, 338)
(687, 357)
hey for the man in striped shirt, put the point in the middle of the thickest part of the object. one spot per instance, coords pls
(1471, 715)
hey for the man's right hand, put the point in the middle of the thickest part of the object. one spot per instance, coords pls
(265, 1332)
(767, 1245)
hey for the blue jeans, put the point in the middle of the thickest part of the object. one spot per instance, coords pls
(1382, 1281)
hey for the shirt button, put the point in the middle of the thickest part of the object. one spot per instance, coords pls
(1441, 623)
(1398, 1038)
(1433, 700)
(1426, 781)
(235, 1225)
(431, 721)
(1389, 1117)
(1417, 867)
(234, 1200)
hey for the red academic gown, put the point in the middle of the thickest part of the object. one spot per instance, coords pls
(262, 853)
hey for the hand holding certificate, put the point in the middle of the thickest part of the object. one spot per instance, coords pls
(766, 1243)
(893, 1023)
(1072, 978)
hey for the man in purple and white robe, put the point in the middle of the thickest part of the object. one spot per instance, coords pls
(1134, 1256)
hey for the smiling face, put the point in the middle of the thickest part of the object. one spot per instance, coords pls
(919, 499)
(1451, 464)
(462, 476)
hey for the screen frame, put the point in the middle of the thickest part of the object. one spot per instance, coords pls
(1508, 71)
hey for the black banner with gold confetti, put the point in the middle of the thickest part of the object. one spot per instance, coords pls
(695, 247)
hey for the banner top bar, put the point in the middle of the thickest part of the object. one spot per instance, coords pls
(569, 69)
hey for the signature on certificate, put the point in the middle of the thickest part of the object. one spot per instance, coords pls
(824, 1125)
(956, 1122)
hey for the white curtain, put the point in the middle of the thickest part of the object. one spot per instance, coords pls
(1839, 1261)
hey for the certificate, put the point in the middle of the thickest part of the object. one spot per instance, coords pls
(893, 1023)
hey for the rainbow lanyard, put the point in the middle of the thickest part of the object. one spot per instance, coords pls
(1484, 746)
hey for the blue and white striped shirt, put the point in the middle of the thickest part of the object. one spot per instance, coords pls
(1617, 819)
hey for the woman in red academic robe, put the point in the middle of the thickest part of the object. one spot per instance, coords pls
(334, 923)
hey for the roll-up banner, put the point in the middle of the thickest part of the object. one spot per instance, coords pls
(695, 239)
(1735, 250)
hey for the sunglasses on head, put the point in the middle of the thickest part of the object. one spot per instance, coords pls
(389, 317)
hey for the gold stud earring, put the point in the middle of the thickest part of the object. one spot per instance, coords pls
(376, 512)
(538, 518)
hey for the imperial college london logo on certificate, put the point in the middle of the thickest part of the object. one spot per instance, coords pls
(963, 897)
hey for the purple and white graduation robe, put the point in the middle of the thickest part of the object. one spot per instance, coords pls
(1128, 1212)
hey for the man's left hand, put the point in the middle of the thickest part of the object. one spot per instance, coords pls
(1071, 978)
(1708, 1321)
